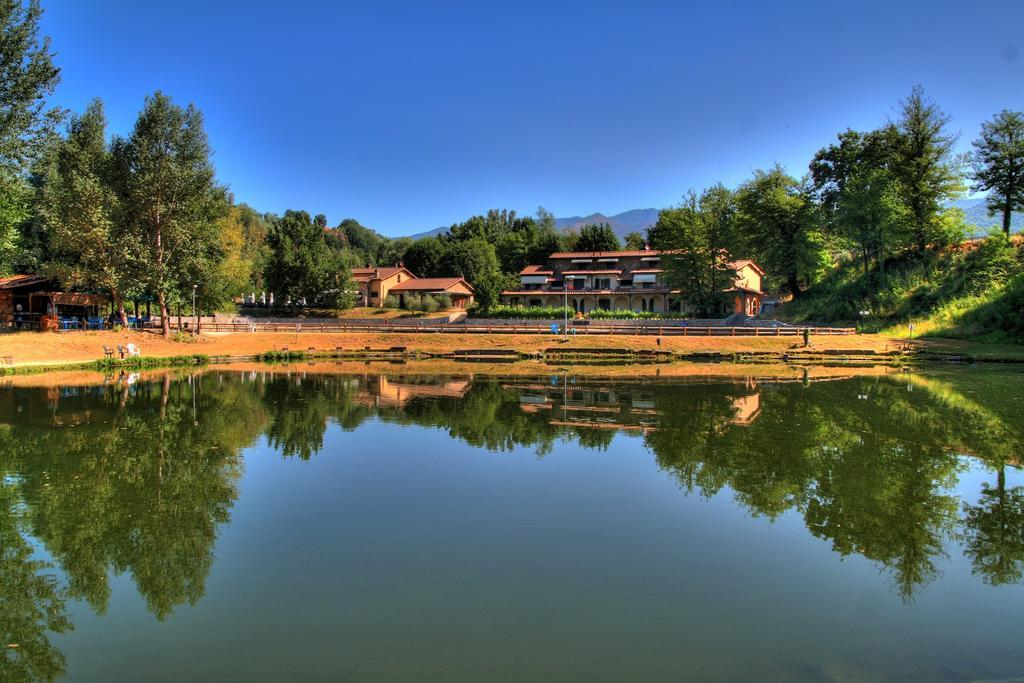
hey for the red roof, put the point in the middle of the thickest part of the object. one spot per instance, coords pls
(430, 284)
(746, 262)
(535, 270)
(605, 254)
(13, 281)
(592, 272)
(372, 273)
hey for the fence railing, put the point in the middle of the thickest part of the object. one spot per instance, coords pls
(329, 326)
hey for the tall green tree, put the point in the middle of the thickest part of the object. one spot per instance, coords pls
(303, 266)
(426, 257)
(27, 77)
(998, 161)
(926, 169)
(699, 234)
(598, 237)
(635, 241)
(172, 201)
(777, 225)
(83, 213)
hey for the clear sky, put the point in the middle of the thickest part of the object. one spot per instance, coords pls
(412, 115)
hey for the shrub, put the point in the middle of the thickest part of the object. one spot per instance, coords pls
(391, 301)
(430, 304)
(444, 301)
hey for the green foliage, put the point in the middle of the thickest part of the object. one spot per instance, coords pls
(999, 164)
(391, 301)
(27, 77)
(923, 164)
(90, 243)
(171, 201)
(522, 312)
(302, 265)
(635, 241)
(426, 257)
(700, 233)
(778, 226)
(974, 291)
(597, 237)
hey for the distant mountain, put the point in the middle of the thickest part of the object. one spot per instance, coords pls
(635, 220)
(977, 214)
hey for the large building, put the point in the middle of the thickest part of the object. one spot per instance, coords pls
(620, 280)
(374, 285)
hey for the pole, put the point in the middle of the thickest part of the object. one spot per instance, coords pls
(565, 310)
(194, 286)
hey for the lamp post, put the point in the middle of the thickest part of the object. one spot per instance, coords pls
(194, 287)
(565, 309)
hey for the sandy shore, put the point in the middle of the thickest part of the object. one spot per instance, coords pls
(46, 348)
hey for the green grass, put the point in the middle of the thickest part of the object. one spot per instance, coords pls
(970, 292)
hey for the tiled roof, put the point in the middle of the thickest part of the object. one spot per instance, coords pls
(430, 284)
(535, 270)
(364, 274)
(591, 272)
(746, 262)
(647, 270)
(13, 281)
(605, 254)
(587, 292)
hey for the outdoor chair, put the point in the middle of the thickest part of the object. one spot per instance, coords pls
(120, 350)
(108, 352)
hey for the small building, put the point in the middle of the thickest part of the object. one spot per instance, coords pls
(620, 280)
(374, 284)
(32, 302)
(457, 289)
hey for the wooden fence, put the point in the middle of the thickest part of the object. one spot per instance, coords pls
(340, 326)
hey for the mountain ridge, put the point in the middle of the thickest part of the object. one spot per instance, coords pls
(633, 220)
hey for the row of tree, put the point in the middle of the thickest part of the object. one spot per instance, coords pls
(874, 194)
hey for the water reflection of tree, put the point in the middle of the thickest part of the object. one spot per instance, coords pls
(868, 464)
(141, 490)
(32, 603)
(994, 532)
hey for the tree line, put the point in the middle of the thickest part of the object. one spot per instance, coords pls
(872, 195)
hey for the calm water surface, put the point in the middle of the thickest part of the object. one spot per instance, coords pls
(287, 525)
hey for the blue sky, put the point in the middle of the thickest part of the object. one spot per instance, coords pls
(412, 115)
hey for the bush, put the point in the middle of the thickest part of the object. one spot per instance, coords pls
(391, 301)
(444, 301)
(430, 304)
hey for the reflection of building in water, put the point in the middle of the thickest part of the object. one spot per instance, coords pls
(610, 406)
(378, 390)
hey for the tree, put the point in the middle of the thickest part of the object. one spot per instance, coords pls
(302, 265)
(998, 162)
(699, 235)
(475, 259)
(426, 257)
(777, 226)
(635, 241)
(597, 237)
(27, 77)
(925, 168)
(172, 201)
(82, 212)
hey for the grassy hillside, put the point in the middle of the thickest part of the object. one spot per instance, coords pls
(972, 291)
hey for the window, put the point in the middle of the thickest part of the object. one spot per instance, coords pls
(604, 304)
(536, 302)
(602, 283)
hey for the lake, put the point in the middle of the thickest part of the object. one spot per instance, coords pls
(296, 523)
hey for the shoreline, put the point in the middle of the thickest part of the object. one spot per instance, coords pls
(34, 352)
